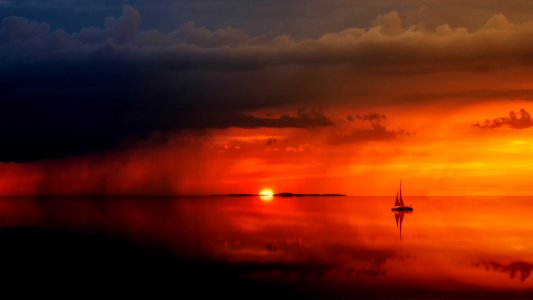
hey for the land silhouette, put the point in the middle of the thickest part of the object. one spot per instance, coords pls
(284, 194)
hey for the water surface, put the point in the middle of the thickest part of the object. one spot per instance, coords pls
(325, 247)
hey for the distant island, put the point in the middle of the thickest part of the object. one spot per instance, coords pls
(284, 195)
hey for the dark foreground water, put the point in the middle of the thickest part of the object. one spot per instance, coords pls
(302, 247)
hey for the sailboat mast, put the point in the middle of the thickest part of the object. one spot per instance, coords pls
(401, 198)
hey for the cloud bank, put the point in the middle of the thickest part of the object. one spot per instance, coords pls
(67, 93)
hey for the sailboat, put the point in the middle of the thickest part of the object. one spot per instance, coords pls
(398, 204)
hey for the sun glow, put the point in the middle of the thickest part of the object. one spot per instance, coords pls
(266, 194)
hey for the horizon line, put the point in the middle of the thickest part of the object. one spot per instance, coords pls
(242, 195)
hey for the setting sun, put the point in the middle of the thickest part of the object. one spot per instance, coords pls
(266, 194)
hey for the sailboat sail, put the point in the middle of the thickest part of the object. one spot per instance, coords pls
(397, 202)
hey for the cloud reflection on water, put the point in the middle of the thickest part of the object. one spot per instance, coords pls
(345, 245)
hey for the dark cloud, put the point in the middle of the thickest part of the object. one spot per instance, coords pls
(520, 120)
(302, 18)
(378, 132)
(61, 128)
(120, 30)
(371, 117)
(303, 119)
(67, 93)
(521, 268)
(487, 93)
(89, 96)
(388, 44)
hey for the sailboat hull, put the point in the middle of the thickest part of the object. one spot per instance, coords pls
(402, 208)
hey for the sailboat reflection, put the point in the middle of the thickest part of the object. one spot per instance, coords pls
(398, 215)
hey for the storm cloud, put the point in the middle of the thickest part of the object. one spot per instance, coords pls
(66, 93)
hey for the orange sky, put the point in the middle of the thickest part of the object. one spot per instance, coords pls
(349, 112)
(439, 153)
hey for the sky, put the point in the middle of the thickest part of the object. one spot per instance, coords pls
(207, 97)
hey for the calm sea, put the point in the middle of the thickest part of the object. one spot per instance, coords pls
(323, 247)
